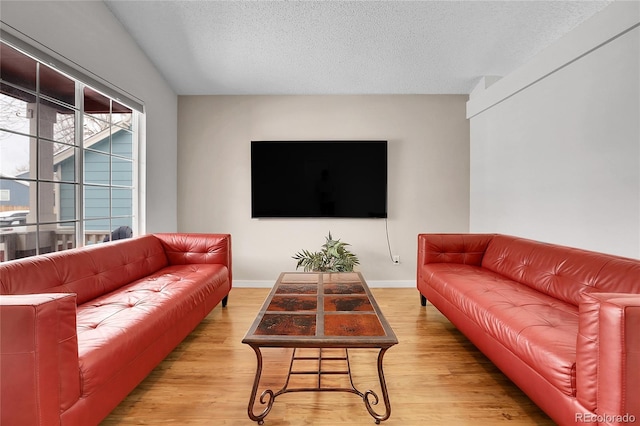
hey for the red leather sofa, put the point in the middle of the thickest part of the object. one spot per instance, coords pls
(81, 328)
(562, 323)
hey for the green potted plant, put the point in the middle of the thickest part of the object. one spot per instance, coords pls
(334, 257)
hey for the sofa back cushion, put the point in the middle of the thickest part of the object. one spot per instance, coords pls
(88, 272)
(562, 272)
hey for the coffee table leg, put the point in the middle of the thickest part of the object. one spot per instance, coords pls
(385, 395)
(263, 398)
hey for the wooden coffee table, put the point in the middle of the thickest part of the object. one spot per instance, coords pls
(324, 311)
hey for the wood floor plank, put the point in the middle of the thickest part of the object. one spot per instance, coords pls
(434, 376)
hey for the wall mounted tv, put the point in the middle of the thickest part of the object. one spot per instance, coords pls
(316, 179)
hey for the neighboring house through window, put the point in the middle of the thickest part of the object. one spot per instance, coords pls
(68, 158)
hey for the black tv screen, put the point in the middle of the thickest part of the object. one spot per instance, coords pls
(314, 179)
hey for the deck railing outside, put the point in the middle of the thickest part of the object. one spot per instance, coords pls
(19, 244)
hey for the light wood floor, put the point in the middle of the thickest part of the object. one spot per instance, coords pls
(434, 376)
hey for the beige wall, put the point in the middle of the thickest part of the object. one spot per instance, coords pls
(428, 175)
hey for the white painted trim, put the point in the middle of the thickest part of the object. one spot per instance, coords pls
(391, 284)
(67, 67)
(371, 283)
(613, 21)
(253, 283)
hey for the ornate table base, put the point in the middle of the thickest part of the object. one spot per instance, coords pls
(268, 396)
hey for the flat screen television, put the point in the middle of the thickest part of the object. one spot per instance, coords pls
(319, 179)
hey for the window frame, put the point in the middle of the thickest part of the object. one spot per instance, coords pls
(81, 82)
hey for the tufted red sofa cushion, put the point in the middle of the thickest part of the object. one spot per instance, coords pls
(81, 328)
(536, 327)
(561, 272)
(105, 333)
(561, 322)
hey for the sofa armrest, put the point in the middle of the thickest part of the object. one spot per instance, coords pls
(39, 370)
(608, 355)
(467, 249)
(182, 249)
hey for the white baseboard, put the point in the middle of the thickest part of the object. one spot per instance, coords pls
(392, 283)
(252, 283)
(371, 283)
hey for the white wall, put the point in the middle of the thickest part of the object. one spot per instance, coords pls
(87, 33)
(555, 147)
(428, 175)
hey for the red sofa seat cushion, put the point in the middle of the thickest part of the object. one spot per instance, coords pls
(538, 328)
(114, 328)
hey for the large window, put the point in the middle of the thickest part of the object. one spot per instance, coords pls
(68, 160)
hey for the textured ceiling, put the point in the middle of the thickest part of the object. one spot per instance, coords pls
(339, 47)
